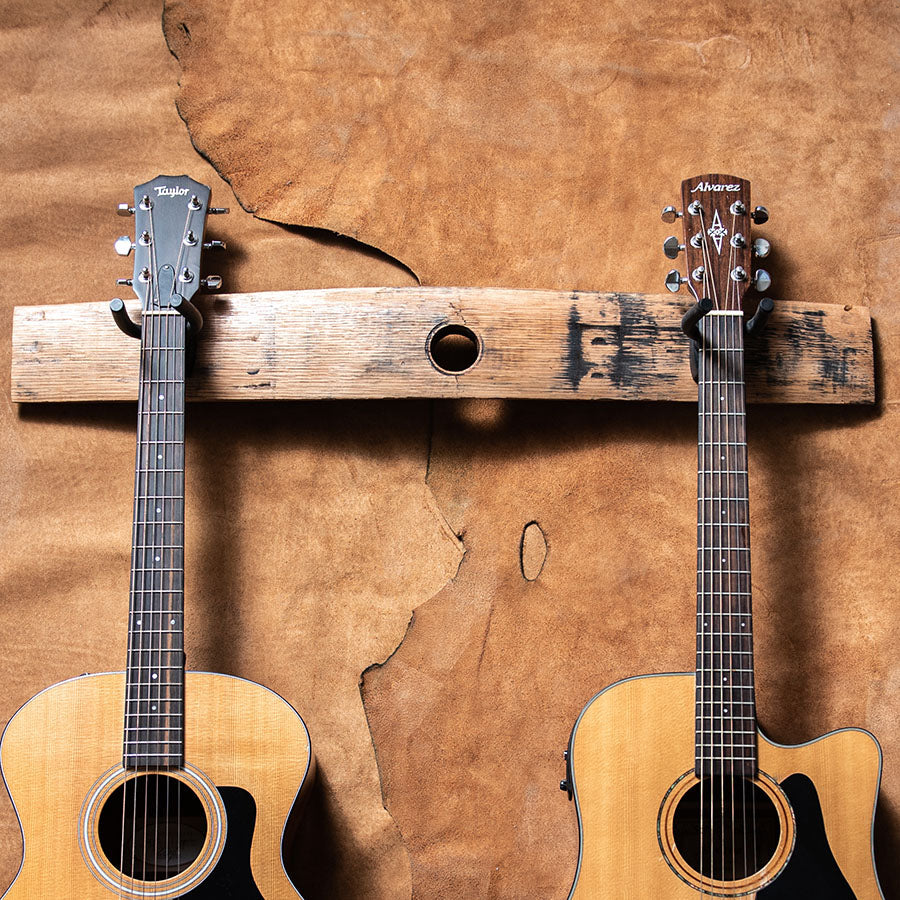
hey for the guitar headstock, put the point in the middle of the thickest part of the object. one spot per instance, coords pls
(719, 252)
(169, 223)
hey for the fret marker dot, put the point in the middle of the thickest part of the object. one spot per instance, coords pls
(153, 676)
(723, 558)
(159, 456)
(721, 398)
(725, 710)
(138, 623)
(153, 708)
(156, 558)
(158, 509)
(171, 621)
(161, 397)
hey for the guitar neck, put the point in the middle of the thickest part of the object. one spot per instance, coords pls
(725, 701)
(154, 707)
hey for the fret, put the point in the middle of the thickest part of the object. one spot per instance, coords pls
(153, 728)
(731, 718)
(154, 755)
(158, 546)
(723, 571)
(744, 634)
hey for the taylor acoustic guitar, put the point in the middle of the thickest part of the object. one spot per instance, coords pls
(678, 794)
(157, 782)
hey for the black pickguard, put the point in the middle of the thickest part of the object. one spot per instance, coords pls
(812, 870)
(232, 878)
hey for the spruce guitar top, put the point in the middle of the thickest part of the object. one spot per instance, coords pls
(156, 782)
(677, 792)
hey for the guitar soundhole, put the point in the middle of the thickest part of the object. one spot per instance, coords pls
(726, 829)
(152, 827)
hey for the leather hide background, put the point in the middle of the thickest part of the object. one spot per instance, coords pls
(523, 145)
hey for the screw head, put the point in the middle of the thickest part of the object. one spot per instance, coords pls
(123, 245)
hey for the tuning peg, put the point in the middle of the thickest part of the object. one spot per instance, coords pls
(218, 210)
(127, 281)
(214, 245)
(211, 282)
(762, 280)
(674, 281)
(760, 215)
(123, 245)
(761, 248)
(671, 247)
(670, 214)
(123, 209)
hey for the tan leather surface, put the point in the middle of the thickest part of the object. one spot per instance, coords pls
(520, 145)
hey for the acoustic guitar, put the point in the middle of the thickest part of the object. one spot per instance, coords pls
(677, 791)
(156, 782)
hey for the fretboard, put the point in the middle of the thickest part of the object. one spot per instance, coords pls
(154, 704)
(725, 696)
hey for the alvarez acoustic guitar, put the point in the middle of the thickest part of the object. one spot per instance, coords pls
(156, 782)
(677, 791)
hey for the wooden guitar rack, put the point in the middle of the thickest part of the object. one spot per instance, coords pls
(443, 342)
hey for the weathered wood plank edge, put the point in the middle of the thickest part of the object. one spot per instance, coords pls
(357, 343)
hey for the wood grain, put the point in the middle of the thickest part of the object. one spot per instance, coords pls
(64, 739)
(371, 343)
(635, 739)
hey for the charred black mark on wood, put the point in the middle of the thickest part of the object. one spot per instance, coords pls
(253, 371)
(637, 338)
(807, 336)
(576, 365)
(261, 384)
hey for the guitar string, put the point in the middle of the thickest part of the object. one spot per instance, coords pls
(731, 393)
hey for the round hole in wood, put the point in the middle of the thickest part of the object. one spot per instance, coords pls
(453, 349)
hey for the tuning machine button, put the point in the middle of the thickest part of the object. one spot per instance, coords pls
(674, 281)
(671, 247)
(218, 210)
(762, 280)
(127, 281)
(211, 282)
(760, 215)
(761, 248)
(124, 209)
(123, 245)
(670, 214)
(214, 245)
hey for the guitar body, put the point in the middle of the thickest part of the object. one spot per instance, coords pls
(247, 763)
(632, 753)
